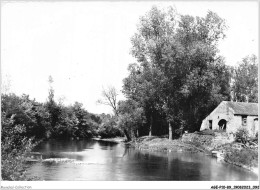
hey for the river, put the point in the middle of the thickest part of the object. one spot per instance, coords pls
(98, 160)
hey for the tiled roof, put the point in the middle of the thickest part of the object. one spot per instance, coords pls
(243, 108)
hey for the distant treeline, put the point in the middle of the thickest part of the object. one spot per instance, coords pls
(26, 122)
(50, 119)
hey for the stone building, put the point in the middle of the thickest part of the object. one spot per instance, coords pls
(229, 116)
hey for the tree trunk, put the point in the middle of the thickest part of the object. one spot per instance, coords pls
(127, 135)
(137, 133)
(133, 135)
(170, 131)
(151, 125)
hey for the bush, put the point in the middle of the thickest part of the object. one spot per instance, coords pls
(177, 133)
(243, 156)
(109, 129)
(109, 132)
(242, 135)
(14, 149)
(13, 161)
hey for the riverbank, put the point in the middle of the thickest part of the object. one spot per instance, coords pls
(228, 151)
(163, 144)
(116, 139)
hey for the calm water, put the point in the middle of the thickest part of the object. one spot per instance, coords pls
(97, 160)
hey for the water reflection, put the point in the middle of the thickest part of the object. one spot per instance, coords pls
(97, 160)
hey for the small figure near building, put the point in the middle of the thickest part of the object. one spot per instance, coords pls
(229, 116)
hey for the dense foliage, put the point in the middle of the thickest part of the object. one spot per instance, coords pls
(242, 135)
(131, 118)
(25, 122)
(49, 120)
(14, 149)
(109, 128)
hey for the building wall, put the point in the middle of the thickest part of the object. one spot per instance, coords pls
(233, 121)
(236, 122)
(252, 126)
(221, 112)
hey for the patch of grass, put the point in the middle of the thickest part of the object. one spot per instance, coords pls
(202, 141)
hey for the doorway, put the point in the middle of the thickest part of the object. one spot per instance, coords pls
(222, 124)
(210, 124)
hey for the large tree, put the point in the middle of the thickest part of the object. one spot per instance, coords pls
(142, 86)
(181, 53)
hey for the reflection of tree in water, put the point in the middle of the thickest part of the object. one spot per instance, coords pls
(128, 151)
(106, 143)
(63, 145)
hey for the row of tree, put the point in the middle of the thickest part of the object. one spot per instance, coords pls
(26, 122)
(48, 120)
(179, 76)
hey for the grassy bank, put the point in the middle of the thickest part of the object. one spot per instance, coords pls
(116, 139)
(240, 155)
(163, 144)
(233, 153)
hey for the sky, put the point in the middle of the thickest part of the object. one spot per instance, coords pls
(85, 46)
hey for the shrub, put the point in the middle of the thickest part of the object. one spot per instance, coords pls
(242, 135)
(14, 149)
(177, 133)
(109, 129)
(109, 132)
(13, 161)
(243, 156)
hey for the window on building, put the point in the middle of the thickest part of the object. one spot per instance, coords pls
(244, 120)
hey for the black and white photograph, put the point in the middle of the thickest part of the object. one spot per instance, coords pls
(103, 92)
